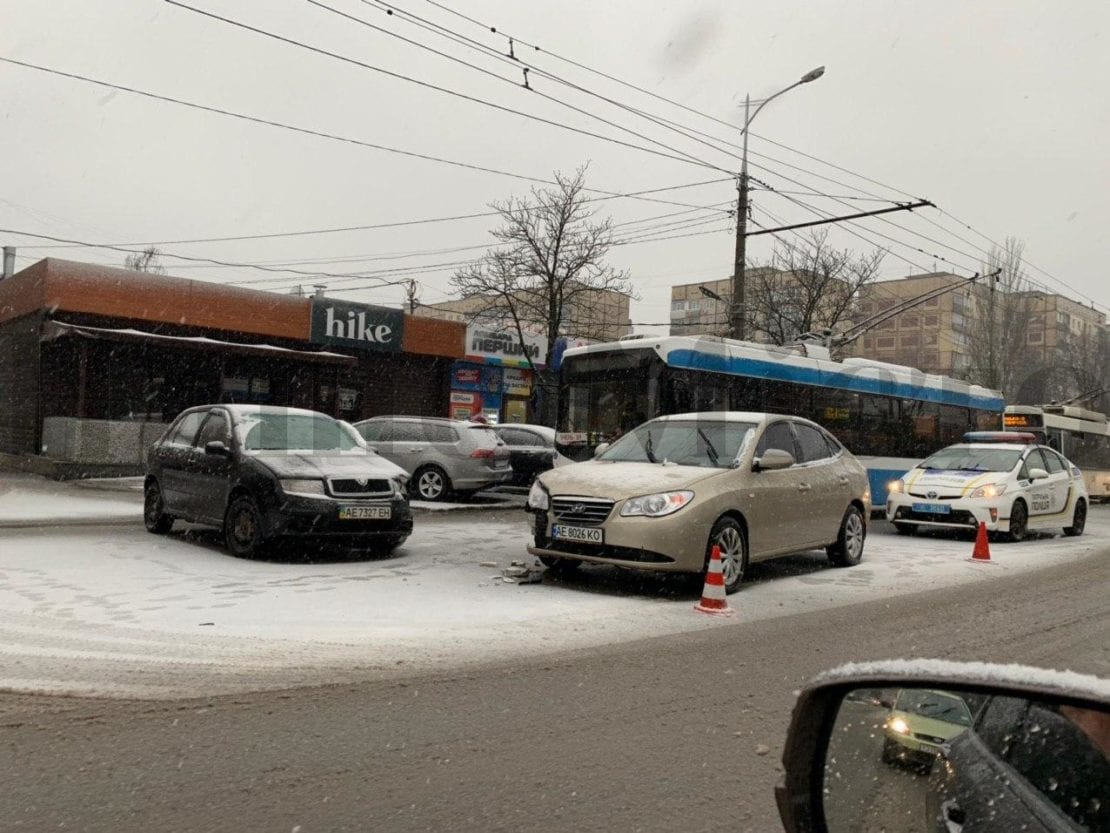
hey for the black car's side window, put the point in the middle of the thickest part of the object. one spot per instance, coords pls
(186, 430)
(215, 429)
(778, 435)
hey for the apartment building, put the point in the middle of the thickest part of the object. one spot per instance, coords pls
(594, 315)
(938, 336)
(703, 308)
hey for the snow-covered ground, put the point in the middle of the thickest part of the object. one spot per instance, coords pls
(113, 610)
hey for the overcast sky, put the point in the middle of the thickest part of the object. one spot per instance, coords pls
(995, 111)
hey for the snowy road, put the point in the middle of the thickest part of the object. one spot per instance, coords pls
(115, 611)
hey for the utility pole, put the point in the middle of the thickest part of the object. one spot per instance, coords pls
(738, 313)
(411, 293)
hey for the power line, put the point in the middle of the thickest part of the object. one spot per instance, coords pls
(428, 85)
(515, 84)
(181, 257)
(584, 66)
(518, 63)
(782, 145)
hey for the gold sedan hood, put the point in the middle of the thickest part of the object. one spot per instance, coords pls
(597, 478)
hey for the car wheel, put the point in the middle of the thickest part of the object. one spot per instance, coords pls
(154, 510)
(1019, 521)
(243, 530)
(847, 551)
(906, 529)
(431, 483)
(729, 535)
(1078, 520)
(559, 565)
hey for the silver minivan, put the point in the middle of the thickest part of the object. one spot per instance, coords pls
(442, 456)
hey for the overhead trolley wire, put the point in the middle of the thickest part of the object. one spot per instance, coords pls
(515, 84)
(430, 86)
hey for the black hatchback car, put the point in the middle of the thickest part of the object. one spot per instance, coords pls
(262, 473)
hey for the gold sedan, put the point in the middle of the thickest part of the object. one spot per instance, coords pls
(757, 485)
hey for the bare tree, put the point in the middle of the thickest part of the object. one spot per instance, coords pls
(148, 260)
(809, 286)
(1085, 359)
(547, 272)
(999, 356)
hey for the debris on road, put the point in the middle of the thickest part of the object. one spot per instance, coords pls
(520, 573)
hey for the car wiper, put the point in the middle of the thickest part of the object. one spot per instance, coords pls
(709, 448)
(647, 449)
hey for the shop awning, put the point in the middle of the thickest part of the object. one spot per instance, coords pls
(52, 330)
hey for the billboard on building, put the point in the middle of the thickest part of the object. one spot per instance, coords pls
(497, 344)
(361, 326)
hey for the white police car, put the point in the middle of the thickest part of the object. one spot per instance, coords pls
(999, 478)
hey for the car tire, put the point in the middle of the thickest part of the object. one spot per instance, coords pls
(560, 565)
(154, 510)
(1019, 512)
(729, 535)
(1078, 520)
(905, 529)
(431, 483)
(847, 550)
(243, 530)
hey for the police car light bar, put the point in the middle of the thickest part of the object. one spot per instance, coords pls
(999, 437)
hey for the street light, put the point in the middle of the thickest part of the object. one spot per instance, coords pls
(737, 313)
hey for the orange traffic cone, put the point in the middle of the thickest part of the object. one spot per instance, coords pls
(982, 551)
(713, 598)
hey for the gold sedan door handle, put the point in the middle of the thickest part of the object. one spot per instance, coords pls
(804, 487)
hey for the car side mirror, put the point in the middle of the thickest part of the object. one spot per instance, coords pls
(601, 449)
(937, 745)
(217, 448)
(1037, 474)
(773, 459)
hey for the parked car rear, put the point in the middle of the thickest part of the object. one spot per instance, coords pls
(531, 450)
(443, 456)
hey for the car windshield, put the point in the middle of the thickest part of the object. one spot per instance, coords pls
(934, 704)
(972, 458)
(708, 443)
(289, 432)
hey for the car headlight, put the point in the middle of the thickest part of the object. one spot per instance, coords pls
(655, 506)
(900, 726)
(302, 486)
(538, 497)
(896, 487)
(990, 490)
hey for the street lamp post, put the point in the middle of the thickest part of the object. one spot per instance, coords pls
(738, 313)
